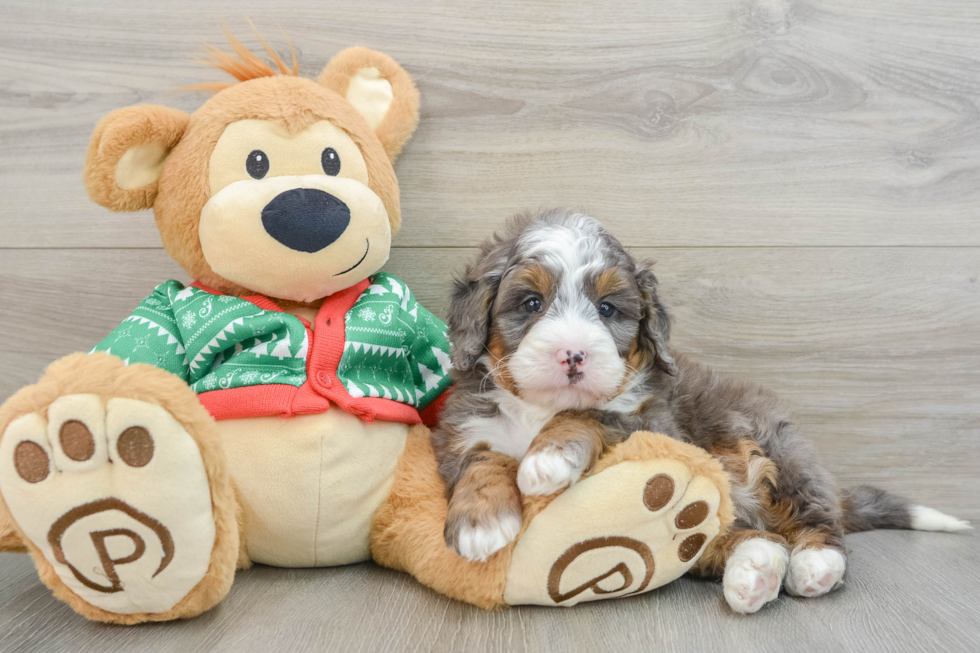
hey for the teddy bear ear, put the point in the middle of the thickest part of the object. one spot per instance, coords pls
(380, 90)
(126, 155)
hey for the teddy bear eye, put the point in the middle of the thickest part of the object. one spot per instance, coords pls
(330, 161)
(257, 164)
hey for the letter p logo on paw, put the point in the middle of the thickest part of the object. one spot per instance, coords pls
(104, 531)
(619, 578)
(628, 529)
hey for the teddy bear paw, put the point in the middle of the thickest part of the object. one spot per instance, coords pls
(115, 495)
(630, 528)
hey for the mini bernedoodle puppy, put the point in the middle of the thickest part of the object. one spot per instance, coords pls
(560, 349)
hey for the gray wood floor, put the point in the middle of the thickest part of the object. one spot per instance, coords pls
(806, 174)
(904, 592)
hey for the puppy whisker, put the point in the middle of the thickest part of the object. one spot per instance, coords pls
(495, 369)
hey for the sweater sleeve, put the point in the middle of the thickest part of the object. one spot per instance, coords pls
(150, 335)
(429, 354)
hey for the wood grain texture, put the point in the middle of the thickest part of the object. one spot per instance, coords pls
(725, 122)
(905, 592)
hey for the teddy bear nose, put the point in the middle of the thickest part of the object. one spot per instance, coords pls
(305, 219)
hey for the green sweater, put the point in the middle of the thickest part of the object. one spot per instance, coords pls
(388, 357)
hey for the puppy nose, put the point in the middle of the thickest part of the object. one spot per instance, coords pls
(305, 219)
(573, 358)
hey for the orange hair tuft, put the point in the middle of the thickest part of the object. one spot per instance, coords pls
(243, 65)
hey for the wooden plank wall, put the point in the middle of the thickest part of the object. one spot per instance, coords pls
(806, 174)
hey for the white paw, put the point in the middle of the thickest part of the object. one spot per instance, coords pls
(479, 542)
(115, 496)
(753, 574)
(813, 572)
(550, 470)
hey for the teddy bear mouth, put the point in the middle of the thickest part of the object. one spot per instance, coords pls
(366, 250)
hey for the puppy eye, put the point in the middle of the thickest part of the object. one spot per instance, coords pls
(257, 164)
(606, 309)
(330, 161)
(533, 305)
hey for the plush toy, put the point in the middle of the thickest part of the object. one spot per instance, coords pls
(272, 411)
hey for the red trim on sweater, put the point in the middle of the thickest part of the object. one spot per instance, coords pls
(322, 385)
(250, 401)
(431, 413)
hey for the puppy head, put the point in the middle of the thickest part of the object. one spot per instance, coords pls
(558, 313)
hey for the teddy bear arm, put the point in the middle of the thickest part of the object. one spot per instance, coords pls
(152, 334)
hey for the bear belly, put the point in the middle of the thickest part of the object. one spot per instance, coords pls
(310, 484)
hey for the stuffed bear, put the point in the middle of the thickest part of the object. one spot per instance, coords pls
(275, 409)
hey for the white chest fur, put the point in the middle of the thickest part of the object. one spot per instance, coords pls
(512, 430)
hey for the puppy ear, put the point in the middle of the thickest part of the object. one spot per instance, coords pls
(469, 318)
(472, 299)
(655, 323)
(380, 90)
(126, 155)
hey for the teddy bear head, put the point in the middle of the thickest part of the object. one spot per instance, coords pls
(277, 185)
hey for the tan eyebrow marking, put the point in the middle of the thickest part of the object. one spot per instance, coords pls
(537, 278)
(609, 281)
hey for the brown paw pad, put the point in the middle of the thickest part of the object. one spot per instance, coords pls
(690, 546)
(114, 494)
(692, 515)
(658, 492)
(135, 446)
(76, 440)
(31, 461)
(628, 529)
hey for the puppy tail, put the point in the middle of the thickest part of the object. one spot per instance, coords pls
(867, 508)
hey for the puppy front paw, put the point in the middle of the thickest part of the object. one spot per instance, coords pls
(476, 537)
(549, 470)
